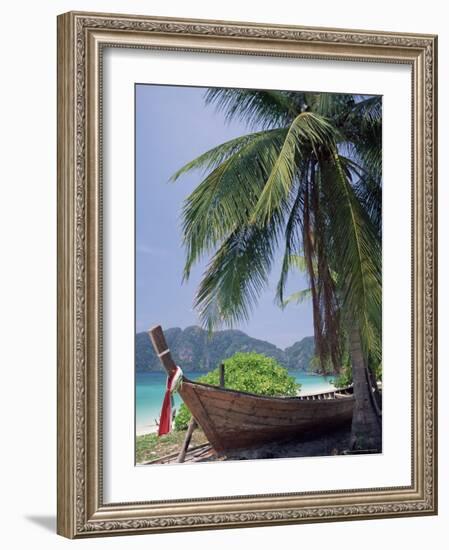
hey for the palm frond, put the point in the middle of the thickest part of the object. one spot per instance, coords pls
(236, 275)
(356, 255)
(227, 196)
(298, 297)
(332, 106)
(363, 130)
(367, 189)
(293, 241)
(307, 133)
(215, 156)
(257, 108)
(325, 305)
(369, 109)
(367, 152)
(292, 261)
(298, 262)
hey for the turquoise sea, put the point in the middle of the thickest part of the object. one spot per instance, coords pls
(150, 389)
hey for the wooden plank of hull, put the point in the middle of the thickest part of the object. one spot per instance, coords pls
(235, 420)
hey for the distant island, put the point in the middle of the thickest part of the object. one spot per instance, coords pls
(194, 350)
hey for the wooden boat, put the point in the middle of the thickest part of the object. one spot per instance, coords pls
(236, 420)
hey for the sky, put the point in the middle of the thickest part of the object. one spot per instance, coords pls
(174, 126)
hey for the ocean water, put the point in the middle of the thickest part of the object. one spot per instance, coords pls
(150, 390)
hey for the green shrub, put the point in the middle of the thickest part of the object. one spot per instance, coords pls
(344, 378)
(250, 372)
(182, 418)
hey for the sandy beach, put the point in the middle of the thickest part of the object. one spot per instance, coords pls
(146, 429)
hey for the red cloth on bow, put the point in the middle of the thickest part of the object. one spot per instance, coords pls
(165, 419)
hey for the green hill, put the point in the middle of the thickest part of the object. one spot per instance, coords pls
(192, 349)
(300, 353)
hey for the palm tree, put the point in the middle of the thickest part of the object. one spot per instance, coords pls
(307, 178)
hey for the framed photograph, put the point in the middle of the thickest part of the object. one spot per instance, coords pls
(246, 274)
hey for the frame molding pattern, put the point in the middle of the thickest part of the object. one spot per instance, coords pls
(80, 508)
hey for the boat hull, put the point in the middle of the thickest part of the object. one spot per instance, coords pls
(235, 420)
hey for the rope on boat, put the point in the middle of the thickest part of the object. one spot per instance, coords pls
(174, 382)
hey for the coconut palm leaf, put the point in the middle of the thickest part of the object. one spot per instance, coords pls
(236, 275)
(356, 255)
(307, 133)
(335, 107)
(298, 297)
(215, 156)
(363, 131)
(367, 189)
(293, 240)
(292, 261)
(298, 262)
(369, 110)
(257, 108)
(225, 198)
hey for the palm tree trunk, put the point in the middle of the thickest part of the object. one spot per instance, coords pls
(366, 431)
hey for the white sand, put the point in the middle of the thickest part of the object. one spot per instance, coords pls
(146, 429)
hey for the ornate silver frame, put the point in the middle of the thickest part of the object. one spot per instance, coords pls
(81, 38)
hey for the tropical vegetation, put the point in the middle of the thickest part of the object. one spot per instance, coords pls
(307, 179)
(249, 372)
